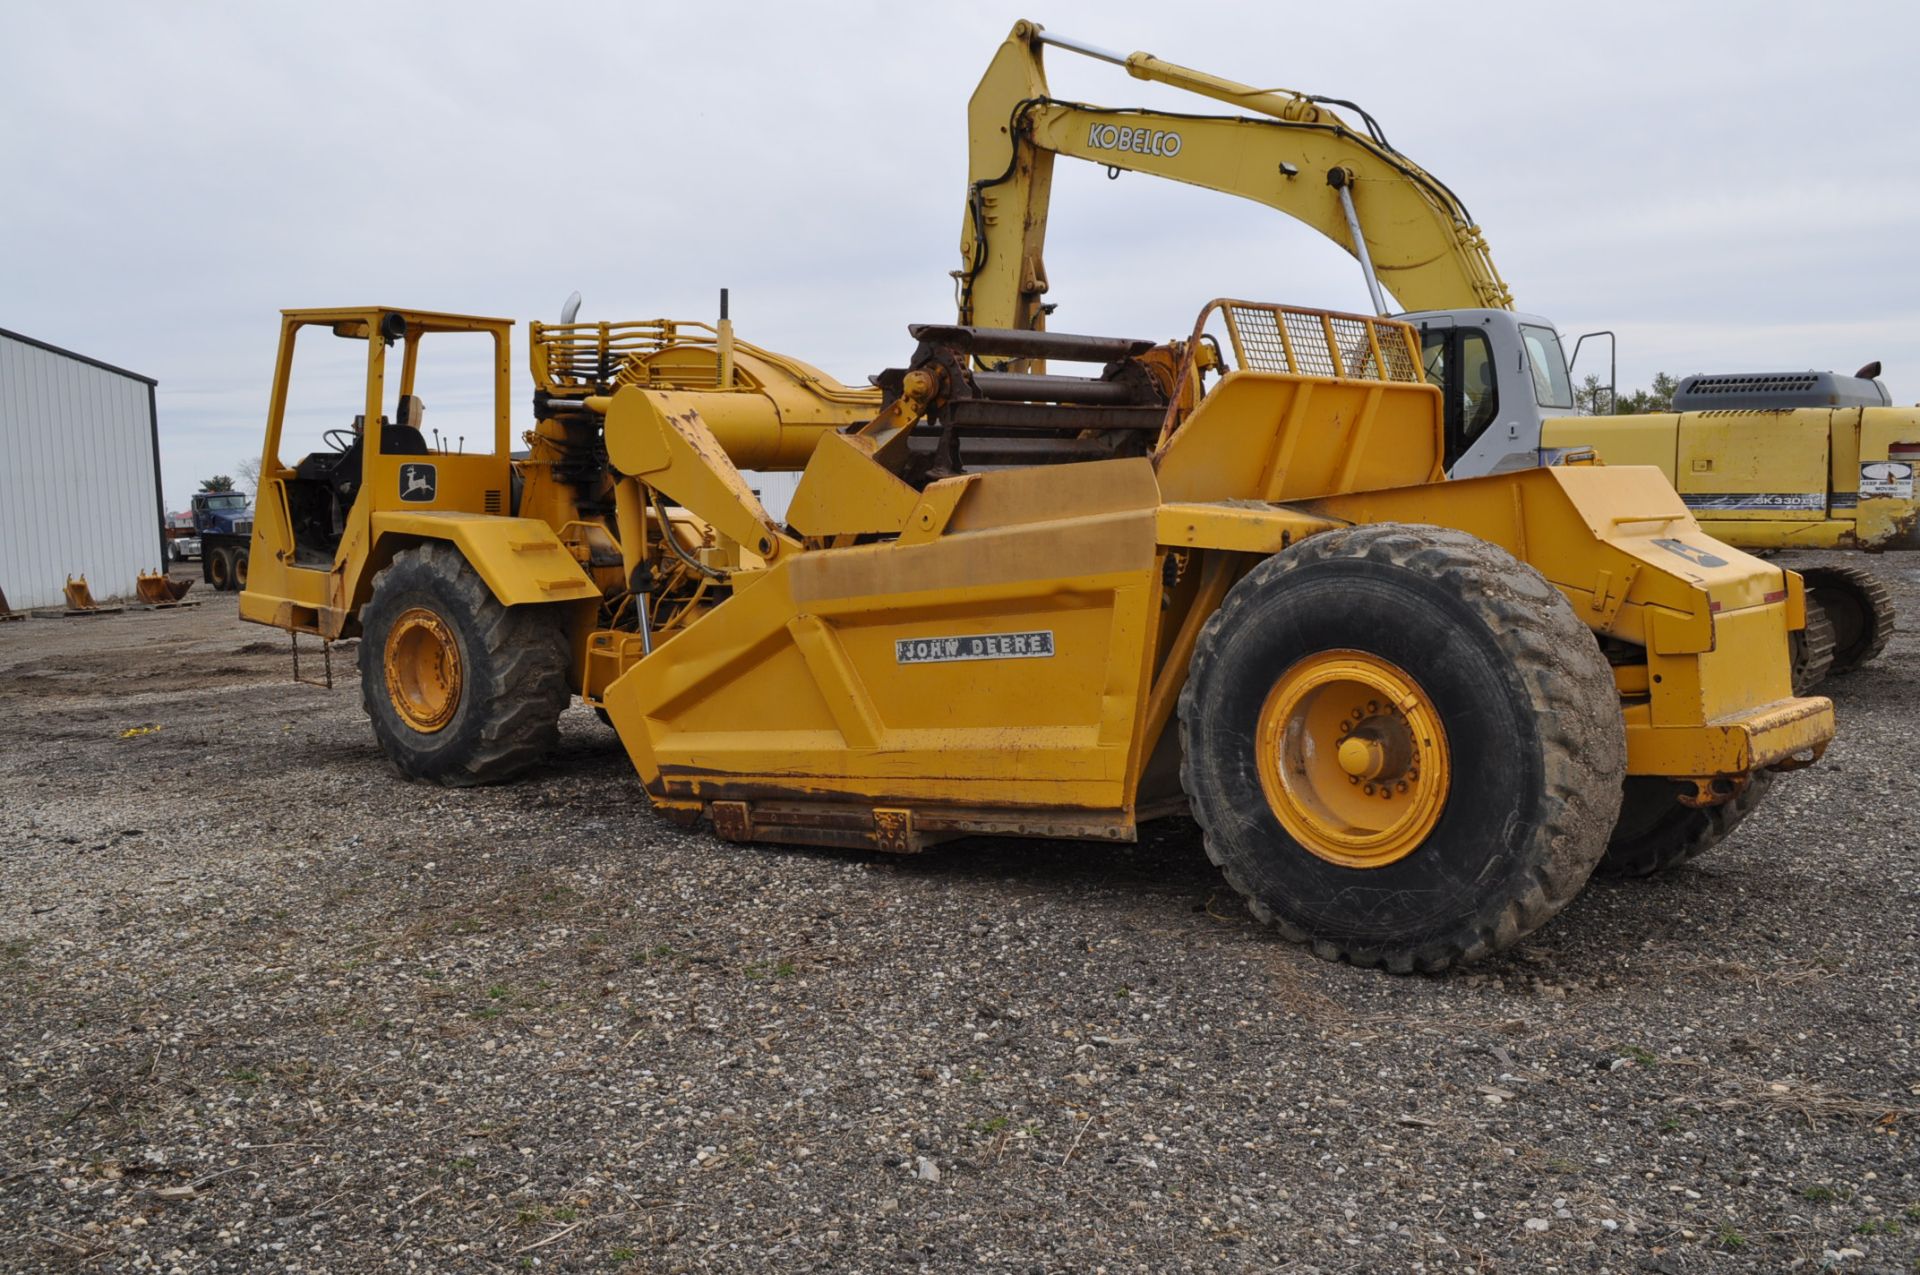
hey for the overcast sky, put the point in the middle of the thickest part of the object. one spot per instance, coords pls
(1730, 187)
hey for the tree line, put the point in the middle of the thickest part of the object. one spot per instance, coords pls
(1592, 398)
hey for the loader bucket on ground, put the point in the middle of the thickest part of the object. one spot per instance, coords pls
(156, 588)
(79, 596)
(7, 612)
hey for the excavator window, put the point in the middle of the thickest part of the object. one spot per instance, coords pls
(1551, 386)
(1460, 362)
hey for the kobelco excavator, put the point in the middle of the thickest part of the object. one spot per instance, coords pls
(1767, 462)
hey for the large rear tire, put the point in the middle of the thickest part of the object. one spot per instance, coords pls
(1401, 745)
(1656, 832)
(239, 570)
(1859, 608)
(460, 689)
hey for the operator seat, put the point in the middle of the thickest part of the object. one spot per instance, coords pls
(1481, 406)
(403, 439)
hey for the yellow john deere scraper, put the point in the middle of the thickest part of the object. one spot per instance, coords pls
(1221, 574)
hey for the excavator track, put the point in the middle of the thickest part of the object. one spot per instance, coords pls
(1857, 606)
(1812, 650)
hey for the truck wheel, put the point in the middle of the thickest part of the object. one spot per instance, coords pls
(461, 690)
(1859, 608)
(1401, 746)
(219, 570)
(239, 570)
(1812, 649)
(173, 551)
(1656, 832)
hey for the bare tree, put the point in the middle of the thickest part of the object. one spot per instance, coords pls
(249, 470)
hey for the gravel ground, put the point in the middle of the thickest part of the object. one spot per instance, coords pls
(264, 1006)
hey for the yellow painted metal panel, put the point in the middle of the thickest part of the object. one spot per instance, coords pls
(1241, 526)
(844, 492)
(521, 559)
(1735, 745)
(1245, 441)
(1001, 665)
(1619, 440)
(1733, 466)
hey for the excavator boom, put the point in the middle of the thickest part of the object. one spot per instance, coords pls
(1292, 153)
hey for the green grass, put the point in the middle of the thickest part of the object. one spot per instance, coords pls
(1729, 1238)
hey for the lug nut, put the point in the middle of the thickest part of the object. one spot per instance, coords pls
(1401, 786)
(1369, 790)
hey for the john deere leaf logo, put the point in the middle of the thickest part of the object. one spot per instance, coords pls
(1698, 557)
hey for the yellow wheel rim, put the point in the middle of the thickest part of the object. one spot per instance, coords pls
(1353, 758)
(423, 670)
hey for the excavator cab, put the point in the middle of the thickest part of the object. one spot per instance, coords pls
(1501, 374)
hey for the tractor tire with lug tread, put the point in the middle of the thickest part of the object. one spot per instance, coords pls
(1656, 832)
(460, 689)
(1812, 649)
(1858, 607)
(220, 570)
(1510, 713)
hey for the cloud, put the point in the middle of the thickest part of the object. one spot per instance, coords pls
(178, 174)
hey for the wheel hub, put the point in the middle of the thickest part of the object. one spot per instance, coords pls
(422, 661)
(1353, 758)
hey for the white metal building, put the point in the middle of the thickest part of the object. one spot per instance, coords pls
(80, 485)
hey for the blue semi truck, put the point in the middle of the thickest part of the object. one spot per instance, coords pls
(223, 521)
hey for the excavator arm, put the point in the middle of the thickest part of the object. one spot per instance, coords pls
(1292, 152)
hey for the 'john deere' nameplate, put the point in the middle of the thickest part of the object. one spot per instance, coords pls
(984, 646)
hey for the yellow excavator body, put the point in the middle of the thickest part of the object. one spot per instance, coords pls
(1798, 478)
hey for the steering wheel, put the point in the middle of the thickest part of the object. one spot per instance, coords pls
(337, 444)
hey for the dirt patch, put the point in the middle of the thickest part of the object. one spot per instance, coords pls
(265, 1006)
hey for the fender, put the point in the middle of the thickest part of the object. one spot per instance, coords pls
(521, 559)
